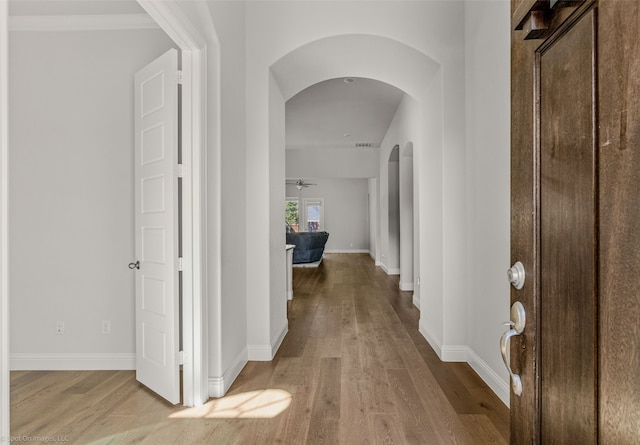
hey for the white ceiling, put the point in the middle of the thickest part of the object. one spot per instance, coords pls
(73, 7)
(329, 114)
(337, 114)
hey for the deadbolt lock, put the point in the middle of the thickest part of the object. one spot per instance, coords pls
(516, 275)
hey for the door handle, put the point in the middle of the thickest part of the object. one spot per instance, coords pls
(135, 265)
(517, 322)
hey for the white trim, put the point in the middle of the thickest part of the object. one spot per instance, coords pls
(406, 286)
(73, 362)
(490, 377)
(430, 339)
(265, 353)
(464, 354)
(218, 386)
(446, 353)
(346, 251)
(106, 22)
(454, 353)
(416, 300)
(259, 353)
(389, 271)
(276, 342)
(5, 387)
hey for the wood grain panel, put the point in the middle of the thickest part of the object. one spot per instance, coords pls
(619, 140)
(524, 242)
(568, 240)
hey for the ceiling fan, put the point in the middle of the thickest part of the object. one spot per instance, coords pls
(300, 184)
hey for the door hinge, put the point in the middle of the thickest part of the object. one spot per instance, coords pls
(180, 264)
(180, 171)
(181, 357)
(179, 77)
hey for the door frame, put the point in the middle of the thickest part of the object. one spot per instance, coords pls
(4, 218)
(194, 138)
(194, 321)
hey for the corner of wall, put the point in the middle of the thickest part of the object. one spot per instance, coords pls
(218, 386)
(265, 353)
(491, 378)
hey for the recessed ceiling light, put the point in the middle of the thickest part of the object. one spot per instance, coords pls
(349, 80)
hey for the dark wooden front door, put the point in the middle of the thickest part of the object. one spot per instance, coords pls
(575, 220)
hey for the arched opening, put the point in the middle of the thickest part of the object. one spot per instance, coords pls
(372, 57)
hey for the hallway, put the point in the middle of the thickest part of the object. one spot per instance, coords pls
(360, 372)
(353, 369)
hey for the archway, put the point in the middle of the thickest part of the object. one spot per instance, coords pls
(374, 57)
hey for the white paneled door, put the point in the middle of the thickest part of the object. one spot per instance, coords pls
(156, 227)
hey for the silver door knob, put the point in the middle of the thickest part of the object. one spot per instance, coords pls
(516, 275)
(517, 322)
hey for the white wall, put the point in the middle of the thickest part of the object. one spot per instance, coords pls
(72, 190)
(5, 387)
(391, 263)
(403, 131)
(488, 165)
(278, 324)
(345, 211)
(374, 226)
(407, 219)
(229, 319)
(332, 163)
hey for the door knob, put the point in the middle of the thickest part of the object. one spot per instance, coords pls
(517, 322)
(135, 265)
(516, 275)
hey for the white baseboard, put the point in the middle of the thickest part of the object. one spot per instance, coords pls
(218, 386)
(72, 362)
(464, 354)
(432, 341)
(406, 286)
(265, 353)
(416, 301)
(455, 353)
(446, 353)
(490, 377)
(389, 271)
(346, 251)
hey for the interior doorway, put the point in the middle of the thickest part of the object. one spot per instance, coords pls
(195, 383)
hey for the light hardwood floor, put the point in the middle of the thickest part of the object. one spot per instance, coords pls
(353, 369)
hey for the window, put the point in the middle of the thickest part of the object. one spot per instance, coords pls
(313, 214)
(308, 218)
(291, 215)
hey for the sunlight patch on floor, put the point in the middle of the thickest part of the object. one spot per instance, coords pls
(262, 404)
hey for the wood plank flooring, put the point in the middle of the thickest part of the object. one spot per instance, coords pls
(353, 369)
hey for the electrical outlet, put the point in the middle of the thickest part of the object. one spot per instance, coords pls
(59, 327)
(106, 326)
